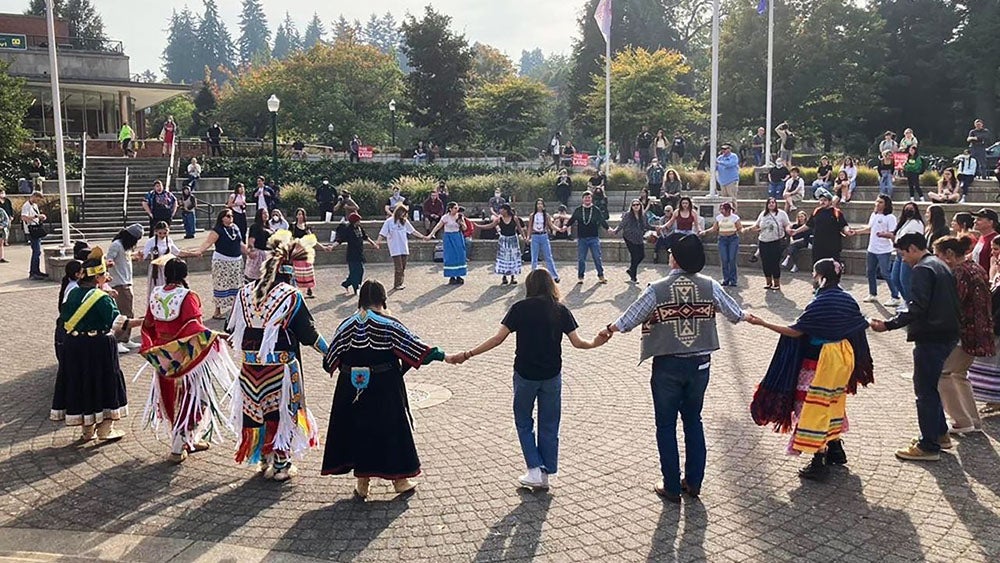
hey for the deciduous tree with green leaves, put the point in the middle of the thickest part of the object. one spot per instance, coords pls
(441, 64)
(509, 112)
(489, 64)
(643, 92)
(181, 107)
(14, 104)
(347, 84)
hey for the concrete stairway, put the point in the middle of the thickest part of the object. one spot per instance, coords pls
(102, 214)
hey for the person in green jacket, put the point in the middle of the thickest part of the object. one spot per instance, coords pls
(914, 167)
(125, 138)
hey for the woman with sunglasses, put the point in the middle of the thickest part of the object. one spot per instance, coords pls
(227, 262)
(633, 227)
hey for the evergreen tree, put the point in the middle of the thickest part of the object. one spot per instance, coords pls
(205, 103)
(84, 21)
(180, 57)
(286, 40)
(215, 45)
(314, 32)
(438, 83)
(531, 60)
(254, 34)
(344, 30)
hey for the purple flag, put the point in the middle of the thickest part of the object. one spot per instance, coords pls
(761, 7)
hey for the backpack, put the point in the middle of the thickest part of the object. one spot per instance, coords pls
(439, 251)
(789, 141)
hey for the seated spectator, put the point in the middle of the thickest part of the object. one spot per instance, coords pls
(776, 177)
(795, 189)
(824, 174)
(568, 150)
(560, 219)
(852, 178)
(842, 187)
(496, 201)
(800, 241)
(395, 199)
(298, 150)
(433, 210)
(420, 154)
(564, 187)
(598, 180)
(947, 188)
(671, 191)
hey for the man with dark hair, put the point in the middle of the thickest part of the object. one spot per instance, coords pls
(932, 324)
(677, 315)
(644, 144)
(589, 218)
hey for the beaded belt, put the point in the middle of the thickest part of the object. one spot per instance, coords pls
(255, 358)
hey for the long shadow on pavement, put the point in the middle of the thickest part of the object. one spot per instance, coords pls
(980, 461)
(25, 401)
(342, 530)
(517, 535)
(691, 544)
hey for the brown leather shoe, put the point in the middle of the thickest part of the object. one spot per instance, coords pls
(690, 491)
(664, 494)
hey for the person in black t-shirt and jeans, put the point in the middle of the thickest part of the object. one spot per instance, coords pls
(539, 320)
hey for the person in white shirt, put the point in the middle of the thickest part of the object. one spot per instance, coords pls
(852, 178)
(881, 227)
(909, 222)
(965, 167)
(194, 172)
(773, 225)
(395, 231)
(795, 189)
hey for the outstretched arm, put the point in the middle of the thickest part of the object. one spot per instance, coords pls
(782, 330)
(582, 344)
(489, 344)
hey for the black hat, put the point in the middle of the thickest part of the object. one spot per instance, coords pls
(988, 214)
(689, 253)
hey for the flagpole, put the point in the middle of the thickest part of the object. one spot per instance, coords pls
(770, 78)
(607, 105)
(57, 114)
(714, 132)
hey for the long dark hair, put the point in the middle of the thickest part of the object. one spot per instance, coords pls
(680, 204)
(371, 294)
(965, 220)
(539, 284)
(830, 270)
(938, 224)
(70, 272)
(959, 246)
(218, 218)
(261, 223)
(175, 272)
(886, 204)
(910, 211)
(128, 241)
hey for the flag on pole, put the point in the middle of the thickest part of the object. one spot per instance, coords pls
(603, 17)
(761, 7)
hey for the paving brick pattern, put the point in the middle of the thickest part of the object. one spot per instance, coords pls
(601, 508)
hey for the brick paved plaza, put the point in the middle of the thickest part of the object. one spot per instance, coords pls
(124, 501)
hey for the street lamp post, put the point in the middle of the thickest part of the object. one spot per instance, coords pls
(392, 112)
(273, 103)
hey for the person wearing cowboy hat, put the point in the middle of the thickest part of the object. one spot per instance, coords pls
(828, 226)
(681, 359)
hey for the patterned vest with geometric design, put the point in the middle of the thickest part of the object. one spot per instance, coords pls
(683, 322)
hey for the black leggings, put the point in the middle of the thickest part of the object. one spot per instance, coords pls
(770, 258)
(637, 253)
(913, 181)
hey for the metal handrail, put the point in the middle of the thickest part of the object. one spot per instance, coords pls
(200, 202)
(77, 44)
(83, 178)
(125, 200)
(170, 167)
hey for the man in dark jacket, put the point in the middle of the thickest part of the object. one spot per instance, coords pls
(326, 195)
(932, 324)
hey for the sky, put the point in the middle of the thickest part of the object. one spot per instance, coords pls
(509, 25)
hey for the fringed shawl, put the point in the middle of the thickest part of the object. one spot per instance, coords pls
(833, 315)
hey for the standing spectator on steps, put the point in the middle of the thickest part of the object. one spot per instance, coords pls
(914, 167)
(355, 149)
(167, 135)
(966, 168)
(30, 215)
(215, 139)
(654, 178)
(159, 205)
(661, 144)
(757, 144)
(776, 177)
(727, 165)
(786, 142)
(979, 138)
(644, 144)
(125, 136)
(677, 149)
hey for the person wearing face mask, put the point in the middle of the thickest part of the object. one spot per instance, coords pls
(819, 359)
(189, 208)
(278, 221)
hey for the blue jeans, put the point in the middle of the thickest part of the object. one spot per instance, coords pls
(36, 257)
(928, 360)
(540, 245)
(679, 386)
(900, 277)
(775, 189)
(880, 263)
(758, 157)
(188, 218)
(885, 183)
(729, 248)
(543, 452)
(593, 245)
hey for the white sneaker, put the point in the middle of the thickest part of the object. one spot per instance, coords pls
(132, 345)
(962, 200)
(922, 198)
(964, 430)
(872, 299)
(534, 478)
(795, 268)
(892, 303)
(786, 261)
(902, 308)
(122, 349)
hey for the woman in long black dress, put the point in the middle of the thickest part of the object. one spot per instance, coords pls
(828, 226)
(370, 432)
